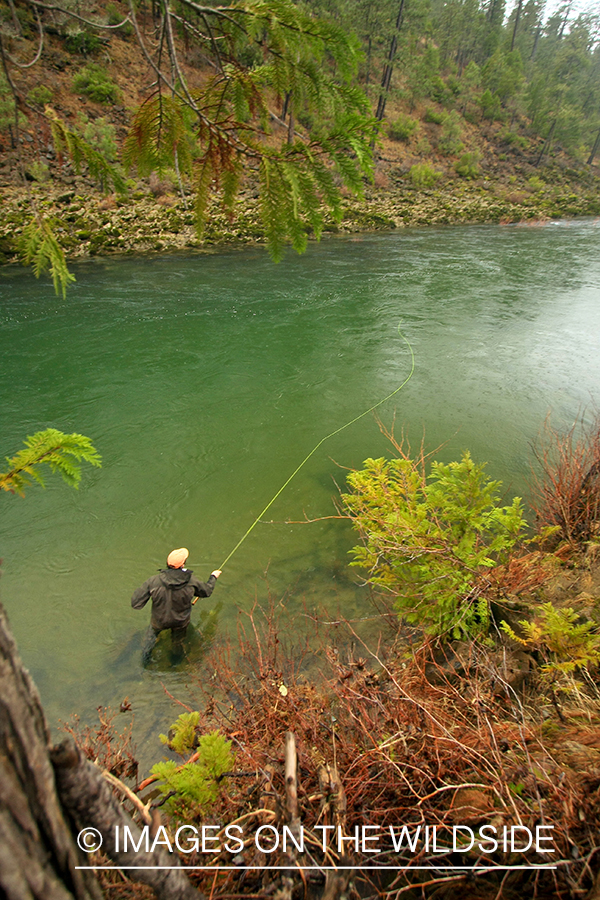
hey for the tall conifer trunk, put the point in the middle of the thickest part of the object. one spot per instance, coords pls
(517, 17)
(594, 149)
(386, 78)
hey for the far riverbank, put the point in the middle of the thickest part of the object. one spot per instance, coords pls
(89, 223)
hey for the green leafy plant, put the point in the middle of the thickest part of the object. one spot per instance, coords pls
(564, 643)
(94, 82)
(402, 128)
(429, 540)
(83, 42)
(491, 107)
(38, 170)
(39, 95)
(422, 175)
(101, 135)
(114, 17)
(517, 140)
(50, 447)
(432, 115)
(195, 786)
(450, 142)
(183, 734)
(438, 90)
(536, 183)
(468, 165)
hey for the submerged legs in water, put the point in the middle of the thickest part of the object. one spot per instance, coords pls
(151, 637)
(177, 636)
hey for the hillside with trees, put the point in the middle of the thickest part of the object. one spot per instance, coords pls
(153, 127)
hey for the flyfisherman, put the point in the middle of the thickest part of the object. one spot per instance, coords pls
(173, 591)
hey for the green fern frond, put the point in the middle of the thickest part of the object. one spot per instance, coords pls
(54, 449)
(193, 787)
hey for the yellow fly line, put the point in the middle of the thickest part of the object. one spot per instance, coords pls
(321, 442)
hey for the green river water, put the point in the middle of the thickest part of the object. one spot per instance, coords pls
(204, 380)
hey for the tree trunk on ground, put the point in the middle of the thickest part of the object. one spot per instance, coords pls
(39, 787)
(91, 803)
(38, 855)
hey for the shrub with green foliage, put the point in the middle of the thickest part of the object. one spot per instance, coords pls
(429, 540)
(100, 134)
(83, 42)
(468, 165)
(564, 643)
(536, 183)
(438, 90)
(432, 115)
(402, 128)
(450, 142)
(39, 95)
(115, 16)
(183, 734)
(195, 786)
(422, 175)
(94, 82)
(491, 108)
(517, 139)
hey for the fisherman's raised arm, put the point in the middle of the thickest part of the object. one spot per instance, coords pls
(204, 588)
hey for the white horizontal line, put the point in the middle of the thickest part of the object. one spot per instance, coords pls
(331, 868)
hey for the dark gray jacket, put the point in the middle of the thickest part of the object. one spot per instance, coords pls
(172, 592)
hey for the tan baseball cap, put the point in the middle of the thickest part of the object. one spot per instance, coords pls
(176, 558)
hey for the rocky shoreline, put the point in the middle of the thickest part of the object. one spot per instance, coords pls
(88, 223)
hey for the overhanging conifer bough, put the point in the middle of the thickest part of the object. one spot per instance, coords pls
(270, 65)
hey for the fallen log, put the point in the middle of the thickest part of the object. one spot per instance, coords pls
(90, 802)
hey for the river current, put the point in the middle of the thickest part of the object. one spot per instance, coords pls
(204, 380)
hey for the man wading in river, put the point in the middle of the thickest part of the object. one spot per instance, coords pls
(174, 591)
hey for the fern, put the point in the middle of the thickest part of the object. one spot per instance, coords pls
(183, 734)
(39, 247)
(193, 787)
(564, 644)
(54, 449)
